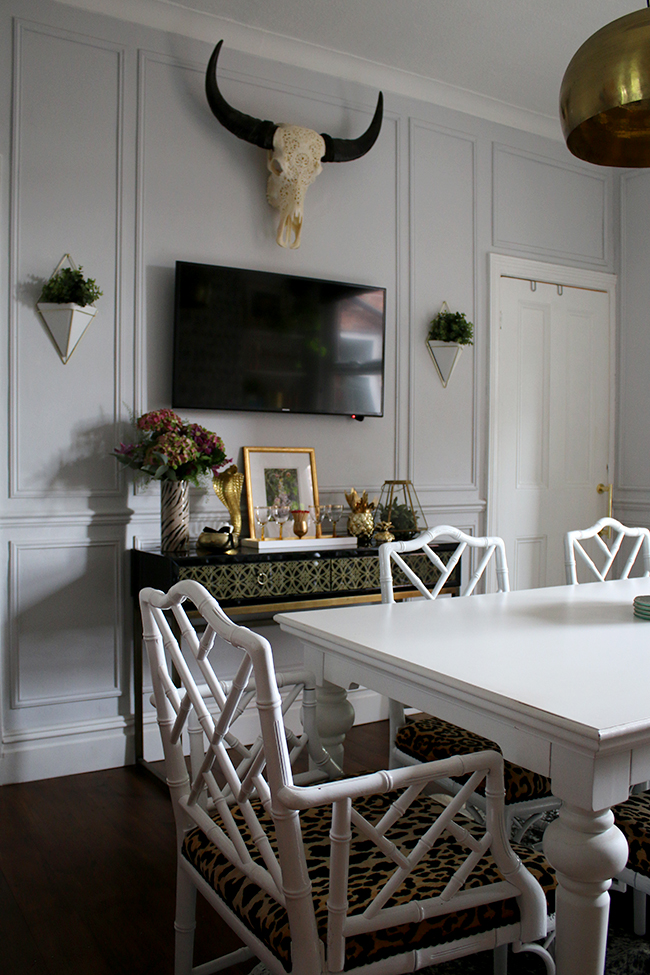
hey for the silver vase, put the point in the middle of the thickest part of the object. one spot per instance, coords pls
(174, 516)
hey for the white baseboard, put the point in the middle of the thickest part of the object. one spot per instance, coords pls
(52, 752)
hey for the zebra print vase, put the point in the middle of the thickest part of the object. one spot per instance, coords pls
(174, 516)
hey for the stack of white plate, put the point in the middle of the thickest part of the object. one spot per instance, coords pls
(642, 607)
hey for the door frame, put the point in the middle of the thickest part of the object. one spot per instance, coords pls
(502, 265)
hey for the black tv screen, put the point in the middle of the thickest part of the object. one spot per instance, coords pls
(254, 340)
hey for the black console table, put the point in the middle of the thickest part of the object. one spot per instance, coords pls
(258, 582)
(247, 582)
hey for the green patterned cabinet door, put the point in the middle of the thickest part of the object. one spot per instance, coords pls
(355, 575)
(263, 580)
(362, 574)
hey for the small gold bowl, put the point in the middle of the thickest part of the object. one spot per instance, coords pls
(214, 539)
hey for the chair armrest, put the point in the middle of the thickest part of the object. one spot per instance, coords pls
(374, 783)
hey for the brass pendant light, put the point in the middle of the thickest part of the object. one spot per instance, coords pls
(605, 95)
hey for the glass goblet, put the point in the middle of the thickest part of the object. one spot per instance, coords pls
(335, 514)
(281, 514)
(262, 518)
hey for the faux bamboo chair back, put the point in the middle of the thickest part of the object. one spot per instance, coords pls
(311, 876)
(573, 547)
(491, 547)
(528, 794)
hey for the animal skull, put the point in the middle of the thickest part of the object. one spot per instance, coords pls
(293, 164)
(295, 153)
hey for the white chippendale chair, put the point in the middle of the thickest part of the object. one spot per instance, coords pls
(528, 794)
(633, 816)
(333, 875)
(574, 549)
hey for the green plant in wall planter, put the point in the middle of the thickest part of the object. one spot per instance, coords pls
(66, 305)
(448, 332)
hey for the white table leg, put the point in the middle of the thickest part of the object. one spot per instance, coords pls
(334, 718)
(586, 850)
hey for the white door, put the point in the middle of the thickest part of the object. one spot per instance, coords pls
(551, 413)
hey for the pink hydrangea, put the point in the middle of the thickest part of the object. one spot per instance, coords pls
(171, 449)
(160, 420)
(176, 448)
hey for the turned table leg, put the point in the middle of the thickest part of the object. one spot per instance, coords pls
(335, 717)
(586, 850)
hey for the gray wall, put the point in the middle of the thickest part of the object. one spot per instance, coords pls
(632, 494)
(113, 156)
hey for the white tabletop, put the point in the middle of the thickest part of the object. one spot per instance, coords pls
(573, 657)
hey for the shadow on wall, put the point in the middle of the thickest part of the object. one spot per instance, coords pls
(87, 465)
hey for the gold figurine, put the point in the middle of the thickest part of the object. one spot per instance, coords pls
(228, 487)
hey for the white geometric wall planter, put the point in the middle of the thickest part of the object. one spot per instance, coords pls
(445, 355)
(66, 324)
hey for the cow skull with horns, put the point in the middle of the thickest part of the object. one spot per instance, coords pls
(295, 154)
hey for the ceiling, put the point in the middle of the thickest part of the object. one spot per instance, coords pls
(514, 51)
(498, 59)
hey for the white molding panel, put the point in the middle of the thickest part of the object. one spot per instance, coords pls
(351, 233)
(66, 620)
(443, 422)
(575, 207)
(62, 130)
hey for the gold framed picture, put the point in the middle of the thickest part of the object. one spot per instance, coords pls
(279, 476)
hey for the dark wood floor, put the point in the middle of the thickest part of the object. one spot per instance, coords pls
(87, 874)
(87, 870)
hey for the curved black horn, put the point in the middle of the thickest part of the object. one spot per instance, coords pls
(253, 130)
(345, 150)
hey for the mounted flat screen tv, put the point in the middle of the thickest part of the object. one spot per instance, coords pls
(254, 340)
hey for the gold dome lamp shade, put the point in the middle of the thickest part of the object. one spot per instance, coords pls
(605, 95)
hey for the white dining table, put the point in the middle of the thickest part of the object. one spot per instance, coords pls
(559, 677)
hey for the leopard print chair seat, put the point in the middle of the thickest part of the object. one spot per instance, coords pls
(430, 739)
(367, 875)
(322, 873)
(633, 819)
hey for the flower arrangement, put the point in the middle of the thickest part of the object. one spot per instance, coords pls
(170, 449)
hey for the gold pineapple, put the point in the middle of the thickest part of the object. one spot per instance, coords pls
(361, 522)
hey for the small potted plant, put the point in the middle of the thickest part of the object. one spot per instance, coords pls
(448, 332)
(66, 305)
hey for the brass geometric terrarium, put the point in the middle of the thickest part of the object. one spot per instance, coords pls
(399, 504)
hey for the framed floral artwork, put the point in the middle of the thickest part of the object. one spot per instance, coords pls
(279, 476)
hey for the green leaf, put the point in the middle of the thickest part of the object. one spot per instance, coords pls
(69, 285)
(451, 326)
